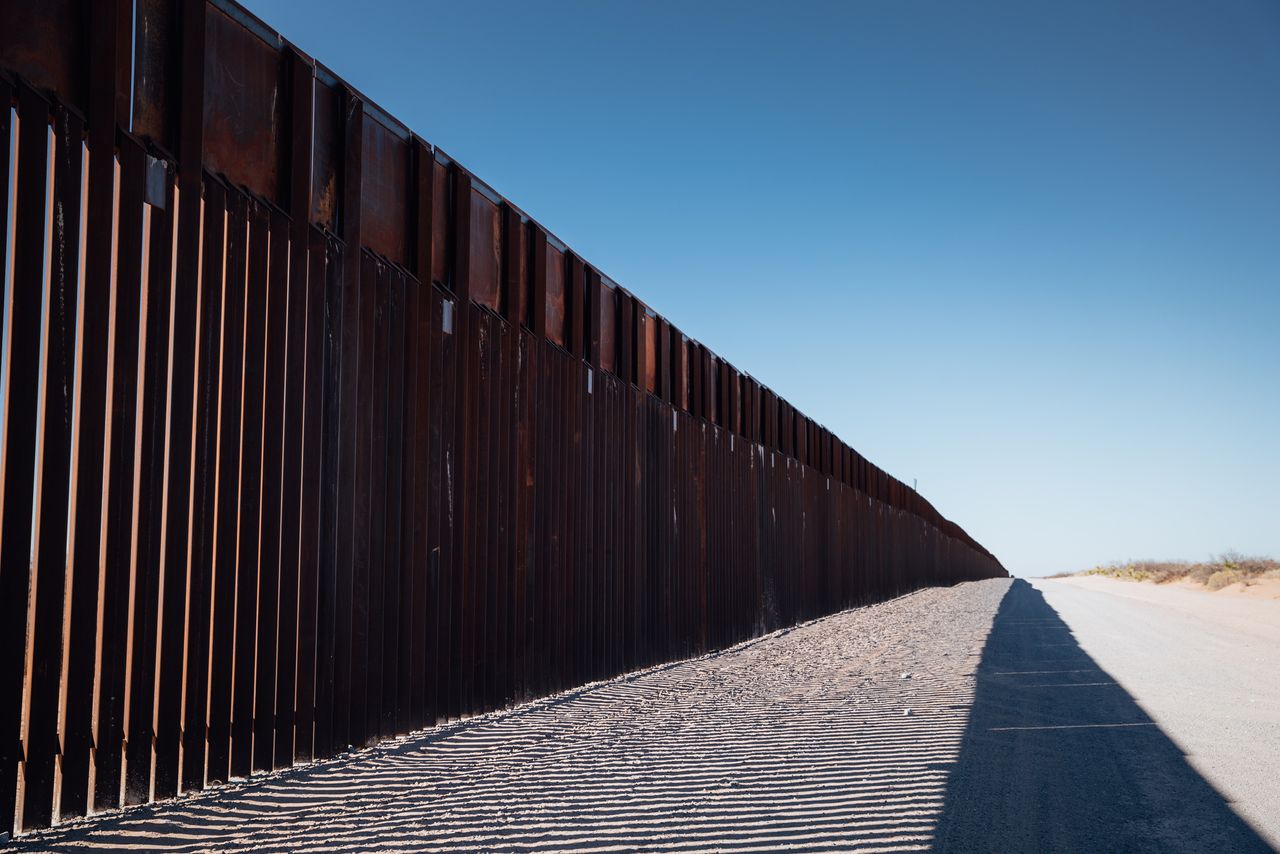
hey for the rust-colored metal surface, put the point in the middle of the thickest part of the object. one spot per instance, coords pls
(607, 316)
(244, 106)
(46, 43)
(648, 337)
(385, 187)
(326, 156)
(486, 250)
(555, 295)
(378, 450)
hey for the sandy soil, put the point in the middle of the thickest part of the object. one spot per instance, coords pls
(1255, 614)
(1261, 588)
(839, 734)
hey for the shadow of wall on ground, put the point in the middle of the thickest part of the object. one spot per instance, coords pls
(1057, 756)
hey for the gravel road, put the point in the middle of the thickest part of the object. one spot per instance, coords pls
(1205, 666)
(1087, 703)
(961, 719)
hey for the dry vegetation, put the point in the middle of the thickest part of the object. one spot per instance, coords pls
(1226, 569)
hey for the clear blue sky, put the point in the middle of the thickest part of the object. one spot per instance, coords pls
(1026, 252)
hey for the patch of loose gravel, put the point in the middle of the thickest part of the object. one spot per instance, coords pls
(837, 734)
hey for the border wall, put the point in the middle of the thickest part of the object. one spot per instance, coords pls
(311, 438)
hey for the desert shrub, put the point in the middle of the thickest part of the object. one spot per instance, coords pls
(1201, 571)
(1162, 572)
(1222, 578)
(1256, 566)
(1142, 570)
(1227, 568)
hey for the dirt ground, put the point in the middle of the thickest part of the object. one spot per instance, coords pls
(1255, 609)
(837, 734)
(1079, 715)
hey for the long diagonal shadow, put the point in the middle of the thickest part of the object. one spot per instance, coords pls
(1058, 757)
